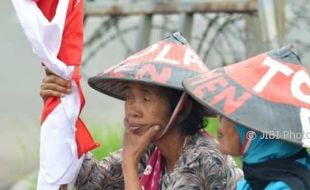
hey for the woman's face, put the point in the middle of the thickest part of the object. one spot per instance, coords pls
(146, 106)
(228, 137)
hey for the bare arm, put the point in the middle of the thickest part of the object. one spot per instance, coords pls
(131, 177)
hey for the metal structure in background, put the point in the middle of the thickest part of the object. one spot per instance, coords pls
(298, 28)
(222, 31)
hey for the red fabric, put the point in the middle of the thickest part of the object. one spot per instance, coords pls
(49, 106)
(72, 42)
(84, 139)
(151, 176)
(70, 53)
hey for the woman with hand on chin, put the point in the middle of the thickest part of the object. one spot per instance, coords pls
(164, 146)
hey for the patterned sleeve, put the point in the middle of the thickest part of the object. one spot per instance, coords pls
(234, 173)
(104, 174)
(214, 170)
(201, 173)
(221, 171)
(202, 166)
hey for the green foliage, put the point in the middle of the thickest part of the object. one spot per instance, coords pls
(211, 124)
(108, 135)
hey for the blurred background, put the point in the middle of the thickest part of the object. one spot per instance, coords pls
(222, 31)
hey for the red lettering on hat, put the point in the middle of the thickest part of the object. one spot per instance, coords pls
(209, 81)
(172, 54)
(150, 69)
(231, 104)
(216, 83)
(116, 75)
(143, 53)
(205, 77)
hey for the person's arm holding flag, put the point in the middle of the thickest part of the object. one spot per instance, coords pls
(55, 31)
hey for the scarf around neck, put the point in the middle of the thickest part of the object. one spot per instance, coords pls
(151, 175)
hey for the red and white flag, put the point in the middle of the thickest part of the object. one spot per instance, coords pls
(55, 31)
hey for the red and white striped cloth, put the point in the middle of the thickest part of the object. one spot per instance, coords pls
(55, 31)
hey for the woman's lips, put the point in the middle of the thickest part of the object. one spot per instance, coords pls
(134, 127)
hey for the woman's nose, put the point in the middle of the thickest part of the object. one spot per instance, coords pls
(136, 114)
(134, 110)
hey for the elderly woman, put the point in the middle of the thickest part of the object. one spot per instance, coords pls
(164, 146)
(262, 108)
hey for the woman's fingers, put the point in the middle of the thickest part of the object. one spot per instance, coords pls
(52, 78)
(56, 89)
(53, 85)
(134, 146)
(47, 93)
(151, 133)
(57, 80)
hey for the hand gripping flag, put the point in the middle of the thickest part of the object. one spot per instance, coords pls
(55, 31)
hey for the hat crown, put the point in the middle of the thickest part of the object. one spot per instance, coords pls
(165, 63)
(176, 37)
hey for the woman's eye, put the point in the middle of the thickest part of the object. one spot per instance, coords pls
(146, 99)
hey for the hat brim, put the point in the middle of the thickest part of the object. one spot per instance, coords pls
(116, 87)
(256, 113)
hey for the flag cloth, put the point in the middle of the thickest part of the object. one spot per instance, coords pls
(55, 31)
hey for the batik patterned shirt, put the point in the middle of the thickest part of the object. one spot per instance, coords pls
(200, 167)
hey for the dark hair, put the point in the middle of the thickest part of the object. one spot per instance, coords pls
(193, 122)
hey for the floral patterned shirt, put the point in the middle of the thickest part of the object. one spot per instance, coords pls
(201, 166)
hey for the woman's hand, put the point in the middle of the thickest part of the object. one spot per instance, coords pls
(53, 85)
(134, 146)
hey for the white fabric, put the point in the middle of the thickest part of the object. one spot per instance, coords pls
(304, 119)
(59, 163)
